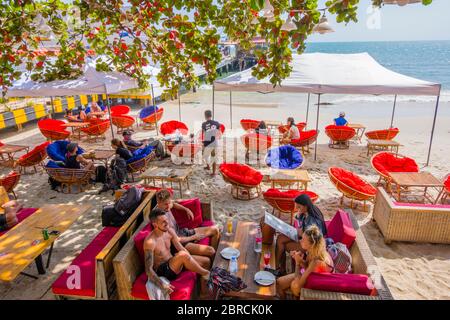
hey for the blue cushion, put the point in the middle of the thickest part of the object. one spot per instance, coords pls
(340, 121)
(52, 164)
(58, 149)
(147, 111)
(140, 154)
(87, 110)
(284, 157)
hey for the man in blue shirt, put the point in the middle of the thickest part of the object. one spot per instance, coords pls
(341, 121)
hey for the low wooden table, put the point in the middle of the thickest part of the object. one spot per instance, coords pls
(249, 262)
(287, 178)
(360, 129)
(170, 175)
(10, 150)
(404, 181)
(374, 145)
(76, 126)
(101, 155)
(24, 243)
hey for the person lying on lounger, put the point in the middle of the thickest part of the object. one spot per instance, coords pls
(292, 133)
(133, 144)
(313, 257)
(308, 214)
(188, 237)
(164, 254)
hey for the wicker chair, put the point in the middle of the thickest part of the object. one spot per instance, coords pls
(53, 130)
(97, 130)
(33, 158)
(249, 124)
(307, 138)
(387, 134)
(170, 127)
(382, 164)
(150, 117)
(120, 110)
(140, 165)
(285, 128)
(10, 181)
(351, 186)
(256, 143)
(122, 122)
(411, 222)
(243, 179)
(340, 136)
(70, 177)
(446, 192)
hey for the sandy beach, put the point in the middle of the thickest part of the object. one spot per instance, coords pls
(412, 271)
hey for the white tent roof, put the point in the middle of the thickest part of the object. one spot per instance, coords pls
(322, 73)
(91, 82)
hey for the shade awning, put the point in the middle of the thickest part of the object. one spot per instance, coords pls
(325, 73)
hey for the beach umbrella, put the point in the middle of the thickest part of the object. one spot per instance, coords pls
(401, 2)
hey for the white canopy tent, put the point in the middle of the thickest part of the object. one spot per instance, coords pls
(90, 82)
(324, 73)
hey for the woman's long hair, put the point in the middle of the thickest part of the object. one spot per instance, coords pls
(318, 250)
(291, 121)
(118, 143)
(313, 210)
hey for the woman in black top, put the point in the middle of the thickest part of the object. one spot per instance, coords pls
(74, 160)
(121, 149)
(308, 215)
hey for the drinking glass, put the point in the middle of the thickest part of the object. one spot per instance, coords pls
(267, 259)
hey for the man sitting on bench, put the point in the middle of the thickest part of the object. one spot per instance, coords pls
(164, 255)
(188, 236)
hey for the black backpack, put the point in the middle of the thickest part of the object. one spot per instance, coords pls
(129, 201)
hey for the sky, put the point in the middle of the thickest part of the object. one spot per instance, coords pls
(412, 22)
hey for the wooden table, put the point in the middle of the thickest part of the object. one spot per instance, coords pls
(10, 150)
(18, 247)
(272, 124)
(249, 262)
(360, 129)
(287, 178)
(404, 181)
(170, 175)
(374, 145)
(100, 155)
(76, 126)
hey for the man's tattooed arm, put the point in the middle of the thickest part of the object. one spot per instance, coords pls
(151, 274)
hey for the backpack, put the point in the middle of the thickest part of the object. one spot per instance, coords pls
(342, 258)
(100, 174)
(129, 201)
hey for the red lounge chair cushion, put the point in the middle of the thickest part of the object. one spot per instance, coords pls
(184, 286)
(289, 194)
(387, 134)
(120, 109)
(340, 229)
(86, 262)
(21, 215)
(35, 151)
(170, 127)
(336, 282)
(241, 173)
(182, 218)
(447, 184)
(353, 181)
(248, 124)
(386, 162)
(339, 133)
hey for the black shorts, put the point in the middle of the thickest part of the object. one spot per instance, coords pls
(3, 222)
(165, 271)
(185, 232)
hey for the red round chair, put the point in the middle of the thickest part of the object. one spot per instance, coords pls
(307, 138)
(255, 142)
(446, 193)
(33, 158)
(10, 181)
(120, 110)
(151, 121)
(97, 130)
(339, 136)
(170, 127)
(249, 124)
(53, 130)
(385, 162)
(283, 201)
(284, 128)
(122, 122)
(243, 179)
(387, 134)
(351, 186)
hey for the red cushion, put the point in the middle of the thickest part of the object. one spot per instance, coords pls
(386, 162)
(22, 215)
(86, 262)
(206, 241)
(182, 218)
(447, 184)
(387, 134)
(248, 124)
(170, 127)
(241, 173)
(184, 286)
(353, 181)
(335, 282)
(340, 229)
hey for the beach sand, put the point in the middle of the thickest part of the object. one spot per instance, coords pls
(412, 271)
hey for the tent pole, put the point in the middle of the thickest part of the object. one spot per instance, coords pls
(179, 104)
(317, 125)
(213, 107)
(432, 130)
(231, 112)
(109, 112)
(307, 110)
(393, 111)
(154, 105)
(53, 108)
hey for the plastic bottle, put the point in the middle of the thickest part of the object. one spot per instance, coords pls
(258, 240)
(233, 265)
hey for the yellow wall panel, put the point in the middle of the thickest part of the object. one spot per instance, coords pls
(20, 116)
(70, 103)
(83, 100)
(57, 105)
(2, 121)
(40, 111)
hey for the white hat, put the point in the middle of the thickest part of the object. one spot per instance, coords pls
(342, 114)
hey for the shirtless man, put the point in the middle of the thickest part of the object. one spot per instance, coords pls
(159, 261)
(188, 236)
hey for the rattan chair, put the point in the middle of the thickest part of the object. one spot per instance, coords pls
(307, 138)
(10, 181)
(140, 165)
(387, 134)
(239, 189)
(70, 177)
(33, 158)
(340, 136)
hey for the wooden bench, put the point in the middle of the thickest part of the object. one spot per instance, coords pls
(99, 254)
(128, 265)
